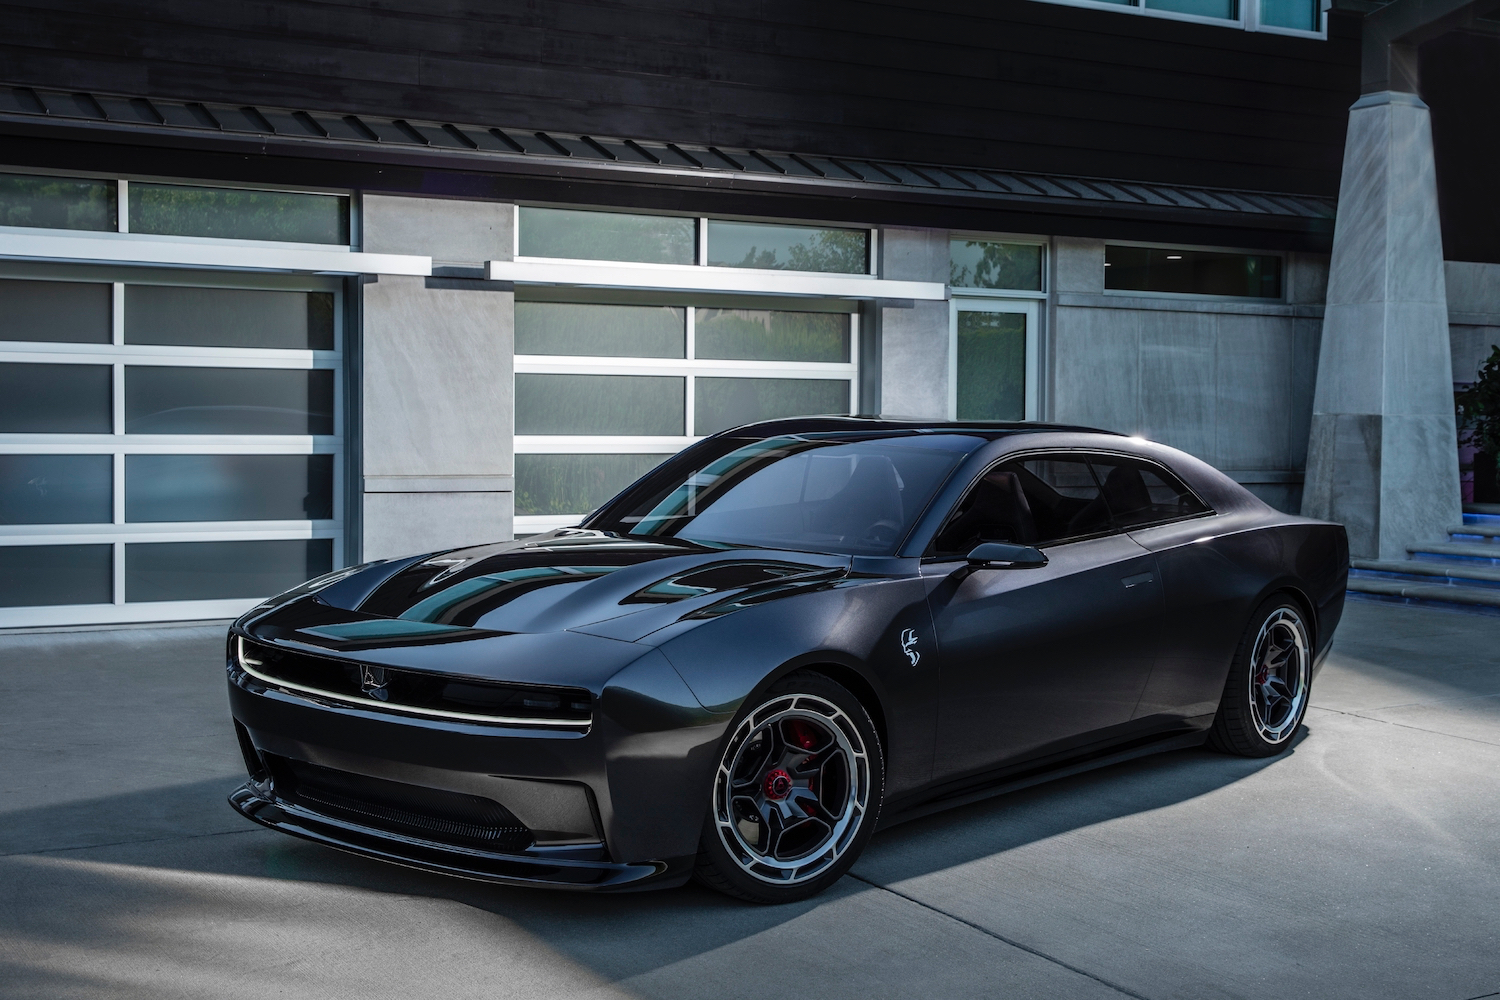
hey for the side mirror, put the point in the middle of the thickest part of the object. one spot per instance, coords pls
(1004, 555)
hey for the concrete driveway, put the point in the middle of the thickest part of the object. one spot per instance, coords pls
(1365, 863)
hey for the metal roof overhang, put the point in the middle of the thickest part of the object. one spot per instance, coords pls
(213, 141)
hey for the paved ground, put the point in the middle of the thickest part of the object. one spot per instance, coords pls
(1366, 863)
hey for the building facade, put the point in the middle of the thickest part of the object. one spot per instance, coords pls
(290, 288)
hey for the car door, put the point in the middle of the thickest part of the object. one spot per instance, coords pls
(1038, 661)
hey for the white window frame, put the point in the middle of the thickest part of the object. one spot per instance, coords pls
(1249, 19)
(119, 444)
(1028, 305)
(689, 369)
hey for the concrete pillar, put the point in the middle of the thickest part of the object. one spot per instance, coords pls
(437, 380)
(914, 338)
(1382, 453)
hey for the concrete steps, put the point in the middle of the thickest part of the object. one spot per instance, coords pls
(1462, 573)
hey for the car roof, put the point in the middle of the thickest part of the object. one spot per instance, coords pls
(990, 429)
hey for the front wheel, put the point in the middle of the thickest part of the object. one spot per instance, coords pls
(796, 793)
(1266, 694)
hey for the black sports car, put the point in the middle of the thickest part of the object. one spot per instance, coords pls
(782, 637)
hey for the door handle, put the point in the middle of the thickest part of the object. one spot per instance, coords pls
(1137, 580)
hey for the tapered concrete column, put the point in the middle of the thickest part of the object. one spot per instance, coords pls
(1382, 454)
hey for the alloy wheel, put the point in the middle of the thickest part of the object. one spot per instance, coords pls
(1279, 675)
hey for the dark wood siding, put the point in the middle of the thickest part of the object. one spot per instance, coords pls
(1010, 83)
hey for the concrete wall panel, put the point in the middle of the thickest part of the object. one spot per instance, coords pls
(401, 524)
(915, 340)
(448, 231)
(1096, 368)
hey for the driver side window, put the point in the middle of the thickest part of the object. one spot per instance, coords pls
(1038, 500)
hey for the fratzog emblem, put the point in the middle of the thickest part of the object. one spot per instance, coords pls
(372, 682)
(908, 640)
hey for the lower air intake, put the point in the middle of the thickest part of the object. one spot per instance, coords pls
(433, 814)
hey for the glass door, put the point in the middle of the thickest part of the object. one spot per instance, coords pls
(992, 360)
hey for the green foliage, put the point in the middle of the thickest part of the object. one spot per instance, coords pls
(57, 203)
(1479, 408)
(242, 215)
(576, 234)
(575, 484)
(991, 366)
(838, 251)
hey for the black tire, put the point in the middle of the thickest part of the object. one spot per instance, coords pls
(780, 826)
(1266, 693)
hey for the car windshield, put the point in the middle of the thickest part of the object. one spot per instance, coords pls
(804, 492)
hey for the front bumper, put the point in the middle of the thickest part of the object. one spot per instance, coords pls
(256, 801)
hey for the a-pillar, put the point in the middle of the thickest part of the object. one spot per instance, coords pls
(1382, 453)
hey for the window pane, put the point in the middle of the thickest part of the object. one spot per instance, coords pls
(1063, 497)
(282, 216)
(54, 399)
(201, 571)
(788, 248)
(987, 264)
(56, 489)
(575, 484)
(228, 401)
(722, 403)
(1140, 493)
(603, 331)
(42, 575)
(58, 203)
(228, 317)
(61, 312)
(1227, 9)
(566, 232)
(228, 487)
(1301, 14)
(599, 404)
(991, 365)
(1152, 269)
(771, 335)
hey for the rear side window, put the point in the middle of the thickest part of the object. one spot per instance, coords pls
(1141, 493)
(1046, 499)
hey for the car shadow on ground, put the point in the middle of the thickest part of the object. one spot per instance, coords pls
(152, 842)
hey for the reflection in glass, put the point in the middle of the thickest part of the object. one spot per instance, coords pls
(201, 571)
(228, 487)
(991, 365)
(575, 484)
(566, 232)
(59, 312)
(771, 335)
(1196, 272)
(54, 399)
(810, 492)
(1301, 14)
(281, 216)
(46, 575)
(602, 331)
(56, 489)
(989, 264)
(788, 248)
(58, 203)
(228, 317)
(1225, 9)
(722, 403)
(228, 401)
(599, 404)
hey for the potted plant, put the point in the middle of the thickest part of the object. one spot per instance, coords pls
(1479, 425)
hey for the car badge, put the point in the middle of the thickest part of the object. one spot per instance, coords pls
(373, 683)
(908, 640)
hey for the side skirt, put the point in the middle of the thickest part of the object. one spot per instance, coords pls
(1016, 780)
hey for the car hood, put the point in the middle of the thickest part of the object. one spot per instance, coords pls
(571, 579)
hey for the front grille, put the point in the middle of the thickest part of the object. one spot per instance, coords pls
(433, 814)
(416, 690)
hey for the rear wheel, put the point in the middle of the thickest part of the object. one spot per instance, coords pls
(796, 793)
(1266, 694)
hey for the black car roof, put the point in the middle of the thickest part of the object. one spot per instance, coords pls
(990, 429)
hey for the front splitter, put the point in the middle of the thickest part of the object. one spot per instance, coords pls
(461, 862)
